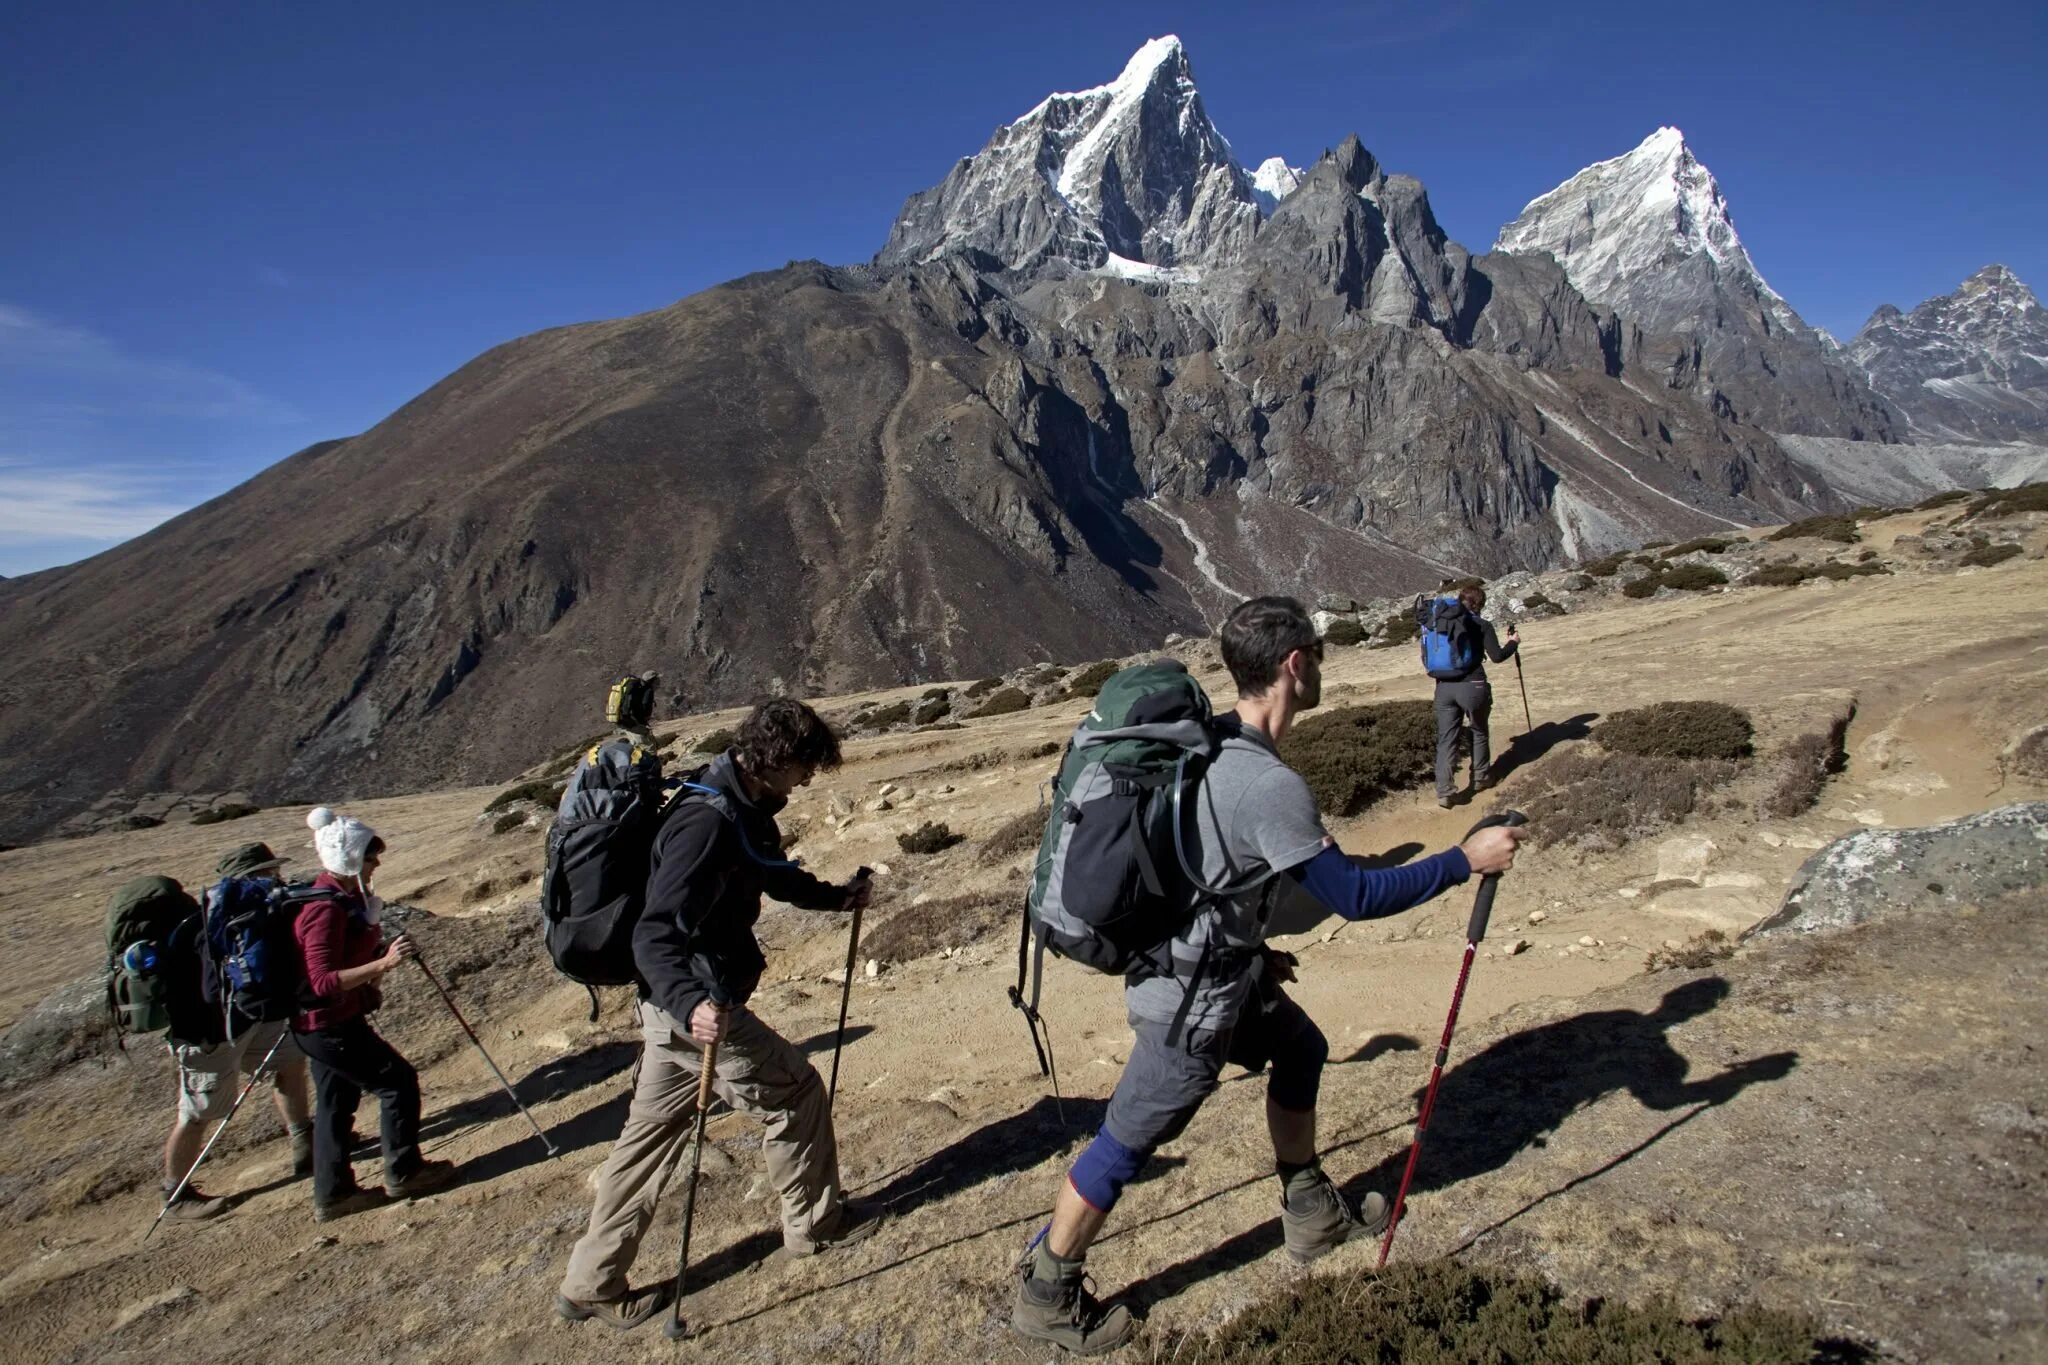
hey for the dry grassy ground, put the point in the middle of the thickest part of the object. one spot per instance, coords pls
(1851, 1127)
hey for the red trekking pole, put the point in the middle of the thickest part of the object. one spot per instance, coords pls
(1482, 910)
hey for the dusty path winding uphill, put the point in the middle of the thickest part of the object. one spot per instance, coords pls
(1851, 1126)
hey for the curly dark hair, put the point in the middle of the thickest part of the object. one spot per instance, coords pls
(784, 733)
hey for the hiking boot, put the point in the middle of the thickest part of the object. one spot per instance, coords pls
(191, 1206)
(856, 1223)
(1066, 1314)
(302, 1152)
(1444, 801)
(426, 1178)
(1315, 1217)
(355, 1201)
(622, 1314)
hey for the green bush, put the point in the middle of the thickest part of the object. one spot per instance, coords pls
(984, 687)
(1003, 703)
(929, 709)
(1841, 530)
(1678, 729)
(1693, 577)
(507, 822)
(1399, 629)
(1984, 556)
(1712, 545)
(541, 792)
(935, 694)
(1444, 1312)
(1354, 755)
(1344, 631)
(1646, 586)
(1842, 573)
(233, 810)
(1776, 576)
(929, 837)
(1600, 801)
(895, 713)
(1607, 566)
(1086, 682)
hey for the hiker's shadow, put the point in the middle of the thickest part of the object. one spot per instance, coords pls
(1514, 1095)
(1009, 1145)
(1525, 749)
(823, 1042)
(1393, 857)
(551, 1080)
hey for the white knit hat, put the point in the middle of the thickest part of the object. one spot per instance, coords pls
(340, 841)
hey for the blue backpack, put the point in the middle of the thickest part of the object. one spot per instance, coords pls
(1450, 637)
(251, 968)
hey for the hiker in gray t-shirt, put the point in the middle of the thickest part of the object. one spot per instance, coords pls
(1223, 999)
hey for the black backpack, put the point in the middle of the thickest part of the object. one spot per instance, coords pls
(252, 969)
(595, 881)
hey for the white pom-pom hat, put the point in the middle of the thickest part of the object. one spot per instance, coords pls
(340, 840)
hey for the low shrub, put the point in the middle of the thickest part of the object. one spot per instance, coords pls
(140, 822)
(1652, 544)
(1086, 682)
(1702, 950)
(942, 725)
(1948, 499)
(1399, 629)
(1444, 1311)
(1344, 631)
(541, 792)
(1789, 575)
(2006, 502)
(1842, 573)
(1646, 586)
(929, 709)
(929, 837)
(1807, 763)
(984, 687)
(1607, 566)
(1776, 576)
(507, 822)
(1864, 557)
(1537, 599)
(717, 742)
(1354, 755)
(1601, 801)
(1693, 577)
(1018, 834)
(1003, 703)
(1577, 582)
(1839, 529)
(1984, 556)
(882, 717)
(234, 810)
(935, 694)
(2028, 755)
(1712, 545)
(1678, 729)
(909, 932)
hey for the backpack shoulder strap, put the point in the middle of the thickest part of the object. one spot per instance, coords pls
(720, 802)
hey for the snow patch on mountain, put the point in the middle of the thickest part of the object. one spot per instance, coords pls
(1273, 181)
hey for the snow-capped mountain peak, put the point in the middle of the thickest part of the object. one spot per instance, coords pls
(1972, 365)
(1633, 214)
(1131, 169)
(1273, 181)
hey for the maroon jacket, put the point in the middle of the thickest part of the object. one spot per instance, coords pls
(333, 934)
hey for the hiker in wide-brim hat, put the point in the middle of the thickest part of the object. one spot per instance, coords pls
(248, 860)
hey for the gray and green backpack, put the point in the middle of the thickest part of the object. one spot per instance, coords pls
(1113, 884)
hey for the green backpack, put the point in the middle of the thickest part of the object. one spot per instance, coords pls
(151, 928)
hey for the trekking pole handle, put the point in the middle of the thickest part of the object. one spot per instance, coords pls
(704, 1078)
(1482, 905)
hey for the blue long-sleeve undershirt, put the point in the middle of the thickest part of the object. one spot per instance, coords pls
(1357, 893)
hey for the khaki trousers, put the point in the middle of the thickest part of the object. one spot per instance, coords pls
(758, 1072)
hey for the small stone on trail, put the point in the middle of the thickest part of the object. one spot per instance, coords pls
(1516, 946)
(1588, 941)
(880, 804)
(1628, 893)
(881, 869)
(874, 968)
(1684, 858)
(835, 977)
(1771, 837)
(1330, 937)
(1674, 944)
(1537, 917)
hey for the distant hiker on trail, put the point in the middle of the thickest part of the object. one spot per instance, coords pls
(345, 956)
(1222, 1001)
(1462, 691)
(211, 1066)
(694, 949)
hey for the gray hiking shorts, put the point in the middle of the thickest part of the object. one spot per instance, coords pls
(210, 1074)
(1165, 1082)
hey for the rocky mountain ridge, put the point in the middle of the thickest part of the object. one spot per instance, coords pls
(1966, 366)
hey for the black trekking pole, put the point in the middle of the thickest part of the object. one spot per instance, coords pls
(262, 1068)
(676, 1329)
(1528, 723)
(449, 1001)
(846, 989)
(1482, 910)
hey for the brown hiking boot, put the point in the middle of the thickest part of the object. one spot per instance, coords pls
(856, 1223)
(1066, 1314)
(622, 1314)
(426, 1178)
(191, 1206)
(355, 1201)
(1315, 1217)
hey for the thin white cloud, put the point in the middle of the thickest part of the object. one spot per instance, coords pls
(40, 504)
(46, 366)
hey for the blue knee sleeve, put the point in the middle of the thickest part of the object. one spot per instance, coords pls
(1103, 1170)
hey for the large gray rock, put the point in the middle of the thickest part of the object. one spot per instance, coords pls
(1880, 872)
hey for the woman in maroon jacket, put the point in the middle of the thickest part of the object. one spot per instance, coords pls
(345, 957)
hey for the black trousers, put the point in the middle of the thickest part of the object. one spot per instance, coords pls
(349, 1060)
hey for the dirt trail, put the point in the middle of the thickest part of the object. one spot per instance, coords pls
(1921, 1231)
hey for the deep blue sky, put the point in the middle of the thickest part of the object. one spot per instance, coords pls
(234, 230)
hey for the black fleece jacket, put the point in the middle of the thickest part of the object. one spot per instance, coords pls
(709, 869)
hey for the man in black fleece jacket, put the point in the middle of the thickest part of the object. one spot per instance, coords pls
(699, 962)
